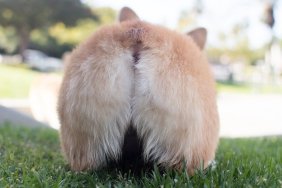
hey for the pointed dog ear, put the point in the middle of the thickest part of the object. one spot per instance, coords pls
(127, 14)
(199, 35)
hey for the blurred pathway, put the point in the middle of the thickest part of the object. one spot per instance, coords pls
(17, 118)
(243, 115)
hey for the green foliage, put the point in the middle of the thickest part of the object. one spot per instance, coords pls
(106, 15)
(72, 35)
(83, 29)
(236, 46)
(52, 26)
(24, 13)
(60, 38)
(28, 15)
(42, 41)
(8, 39)
(32, 14)
(70, 11)
(32, 158)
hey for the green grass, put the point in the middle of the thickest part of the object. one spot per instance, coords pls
(32, 158)
(234, 88)
(15, 81)
(247, 88)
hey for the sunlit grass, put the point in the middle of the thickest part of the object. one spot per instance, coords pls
(248, 88)
(233, 88)
(15, 81)
(32, 158)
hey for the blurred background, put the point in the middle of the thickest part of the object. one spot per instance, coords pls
(244, 50)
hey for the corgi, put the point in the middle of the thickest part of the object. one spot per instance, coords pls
(138, 77)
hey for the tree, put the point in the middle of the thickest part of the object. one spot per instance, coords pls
(236, 45)
(82, 30)
(28, 15)
(59, 38)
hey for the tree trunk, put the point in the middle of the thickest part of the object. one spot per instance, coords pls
(24, 41)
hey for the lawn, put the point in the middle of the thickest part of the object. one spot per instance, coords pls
(15, 81)
(32, 158)
(247, 88)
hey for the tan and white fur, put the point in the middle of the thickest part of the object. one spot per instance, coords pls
(137, 73)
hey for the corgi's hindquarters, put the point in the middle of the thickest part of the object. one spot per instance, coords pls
(145, 76)
(174, 106)
(94, 102)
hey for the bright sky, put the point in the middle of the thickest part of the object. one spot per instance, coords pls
(218, 16)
